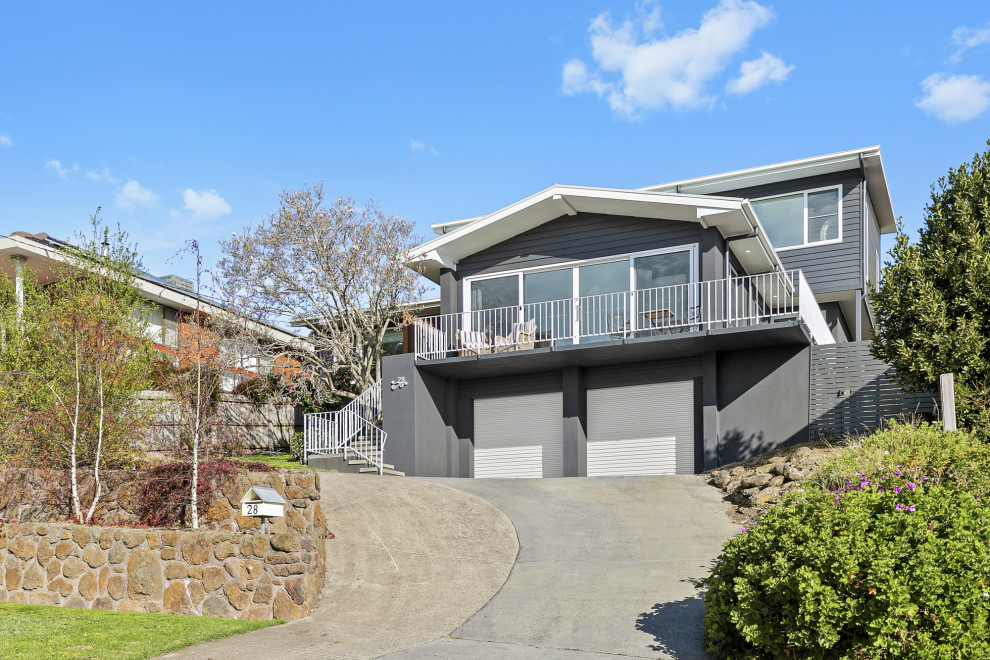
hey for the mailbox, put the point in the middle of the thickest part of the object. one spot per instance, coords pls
(264, 503)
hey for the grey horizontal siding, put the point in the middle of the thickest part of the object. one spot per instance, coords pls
(828, 268)
(584, 236)
(853, 392)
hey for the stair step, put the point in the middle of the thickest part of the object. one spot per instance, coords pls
(394, 473)
(372, 468)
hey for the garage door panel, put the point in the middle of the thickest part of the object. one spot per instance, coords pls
(641, 429)
(519, 436)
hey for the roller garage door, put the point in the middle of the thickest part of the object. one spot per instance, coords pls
(519, 436)
(641, 429)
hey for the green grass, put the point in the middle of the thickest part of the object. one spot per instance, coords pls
(280, 461)
(37, 631)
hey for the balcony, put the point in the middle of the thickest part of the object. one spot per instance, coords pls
(690, 309)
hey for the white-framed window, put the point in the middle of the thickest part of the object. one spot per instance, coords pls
(576, 279)
(802, 219)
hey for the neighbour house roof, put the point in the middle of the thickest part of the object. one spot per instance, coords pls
(689, 200)
(41, 249)
(731, 216)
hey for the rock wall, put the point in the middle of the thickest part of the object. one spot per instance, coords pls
(206, 573)
(37, 495)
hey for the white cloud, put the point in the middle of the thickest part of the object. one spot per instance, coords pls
(954, 99)
(102, 177)
(651, 72)
(133, 195)
(53, 164)
(419, 145)
(757, 73)
(966, 38)
(5, 141)
(206, 204)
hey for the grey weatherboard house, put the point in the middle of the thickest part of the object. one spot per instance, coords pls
(667, 329)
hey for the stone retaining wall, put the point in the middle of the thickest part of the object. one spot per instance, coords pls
(37, 495)
(207, 573)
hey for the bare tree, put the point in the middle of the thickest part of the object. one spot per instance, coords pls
(335, 269)
(208, 348)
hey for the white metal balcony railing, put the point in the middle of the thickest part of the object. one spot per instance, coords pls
(728, 303)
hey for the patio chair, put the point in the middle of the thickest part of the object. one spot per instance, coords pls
(524, 335)
(472, 342)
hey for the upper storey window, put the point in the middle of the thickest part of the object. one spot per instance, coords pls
(801, 219)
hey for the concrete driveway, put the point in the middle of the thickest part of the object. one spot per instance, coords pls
(411, 561)
(606, 567)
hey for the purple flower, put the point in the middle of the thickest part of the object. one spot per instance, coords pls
(898, 507)
(743, 530)
(911, 485)
(897, 491)
(911, 508)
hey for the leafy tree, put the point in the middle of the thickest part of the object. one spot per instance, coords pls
(335, 269)
(76, 358)
(933, 303)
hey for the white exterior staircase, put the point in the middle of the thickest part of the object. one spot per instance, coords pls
(351, 434)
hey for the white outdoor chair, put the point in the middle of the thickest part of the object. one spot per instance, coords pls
(472, 342)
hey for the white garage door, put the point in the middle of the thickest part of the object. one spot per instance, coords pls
(641, 429)
(519, 436)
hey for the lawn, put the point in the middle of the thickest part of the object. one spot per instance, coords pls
(36, 631)
(280, 461)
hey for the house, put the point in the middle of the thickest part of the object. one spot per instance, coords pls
(668, 329)
(172, 306)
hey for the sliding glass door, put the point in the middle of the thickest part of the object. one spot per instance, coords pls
(589, 302)
(664, 298)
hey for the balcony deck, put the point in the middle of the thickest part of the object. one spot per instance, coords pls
(687, 319)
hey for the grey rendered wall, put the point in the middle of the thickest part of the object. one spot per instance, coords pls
(588, 236)
(853, 392)
(836, 321)
(828, 268)
(414, 419)
(762, 401)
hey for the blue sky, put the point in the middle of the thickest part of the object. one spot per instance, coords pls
(185, 120)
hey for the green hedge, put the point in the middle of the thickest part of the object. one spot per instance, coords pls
(894, 564)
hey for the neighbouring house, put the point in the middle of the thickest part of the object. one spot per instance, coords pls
(661, 330)
(172, 304)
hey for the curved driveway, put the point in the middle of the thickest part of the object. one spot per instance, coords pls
(605, 567)
(411, 561)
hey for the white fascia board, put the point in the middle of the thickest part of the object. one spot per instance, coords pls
(442, 228)
(752, 176)
(434, 249)
(445, 251)
(876, 184)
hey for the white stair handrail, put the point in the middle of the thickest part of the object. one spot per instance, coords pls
(352, 428)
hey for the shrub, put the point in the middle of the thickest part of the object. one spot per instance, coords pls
(296, 445)
(167, 488)
(889, 566)
(956, 460)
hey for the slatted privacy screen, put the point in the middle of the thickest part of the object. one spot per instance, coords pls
(853, 392)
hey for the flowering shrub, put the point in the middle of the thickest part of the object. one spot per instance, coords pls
(888, 565)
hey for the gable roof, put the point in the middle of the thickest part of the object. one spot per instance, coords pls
(868, 160)
(731, 216)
